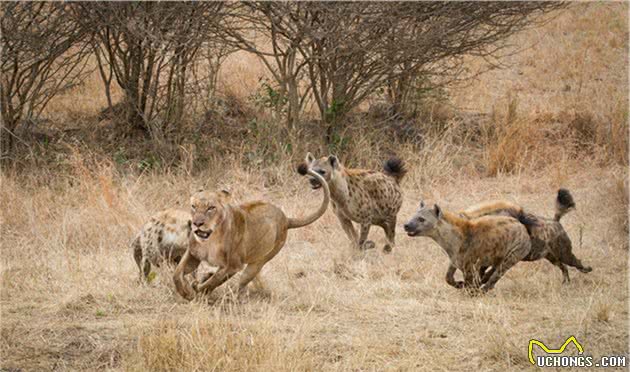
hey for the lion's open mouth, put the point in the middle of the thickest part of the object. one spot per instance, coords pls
(203, 234)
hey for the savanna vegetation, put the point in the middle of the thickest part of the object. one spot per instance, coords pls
(114, 111)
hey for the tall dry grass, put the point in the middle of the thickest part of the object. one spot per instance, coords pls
(69, 294)
(71, 300)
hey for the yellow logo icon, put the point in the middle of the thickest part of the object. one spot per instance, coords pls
(552, 351)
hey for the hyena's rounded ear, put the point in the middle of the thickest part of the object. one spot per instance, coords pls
(334, 162)
(437, 210)
(309, 158)
(421, 203)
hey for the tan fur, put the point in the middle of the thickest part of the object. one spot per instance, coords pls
(549, 239)
(163, 239)
(240, 236)
(495, 241)
(362, 196)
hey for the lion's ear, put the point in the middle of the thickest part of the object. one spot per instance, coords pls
(195, 188)
(226, 194)
(309, 158)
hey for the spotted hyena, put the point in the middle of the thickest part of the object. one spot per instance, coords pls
(497, 241)
(363, 196)
(165, 237)
(549, 239)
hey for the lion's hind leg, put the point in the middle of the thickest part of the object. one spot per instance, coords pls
(250, 273)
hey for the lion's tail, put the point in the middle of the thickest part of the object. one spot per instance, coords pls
(294, 223)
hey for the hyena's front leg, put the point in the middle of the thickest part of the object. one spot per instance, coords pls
(346, 224)
(471, 279)
(363, 242)
(450, 277)
(390, 235)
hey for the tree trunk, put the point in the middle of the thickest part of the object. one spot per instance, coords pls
(293, 111)
(6, 140)
(135, 118)
(8, 124)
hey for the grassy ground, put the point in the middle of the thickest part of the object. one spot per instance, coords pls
(70, 298)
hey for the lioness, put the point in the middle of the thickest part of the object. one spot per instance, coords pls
(231, 236)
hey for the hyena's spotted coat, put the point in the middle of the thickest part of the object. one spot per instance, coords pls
(363, 196)
(165, 237)
(495, 241)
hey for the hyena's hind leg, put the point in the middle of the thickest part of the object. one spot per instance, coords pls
(485, 275)
(516, 254)
(497, 273)
(575, 262)
(566, 256)
(144, 266)
(556, 262)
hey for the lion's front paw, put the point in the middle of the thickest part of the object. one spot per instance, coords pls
(187, 293)
(368, 244)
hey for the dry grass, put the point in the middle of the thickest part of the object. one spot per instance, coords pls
(70, 299)
(619, 194)
(572, 72)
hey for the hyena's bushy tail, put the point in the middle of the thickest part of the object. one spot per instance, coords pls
(395, 167)
(564, 204)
